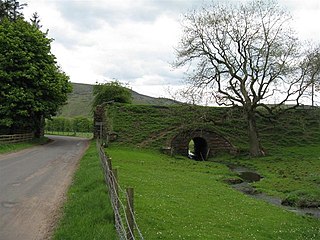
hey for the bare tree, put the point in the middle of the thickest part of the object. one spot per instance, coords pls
(312, 67)
(245, 55)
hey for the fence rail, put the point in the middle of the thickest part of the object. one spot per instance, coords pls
(125, 222)
(15, 138)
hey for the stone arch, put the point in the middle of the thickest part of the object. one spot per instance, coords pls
(206, 143)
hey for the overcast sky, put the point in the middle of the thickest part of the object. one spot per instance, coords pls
(133, 40)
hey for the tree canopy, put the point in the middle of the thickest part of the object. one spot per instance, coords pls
(11, 9)
(111, 91)
(33, 86)
(245, 55)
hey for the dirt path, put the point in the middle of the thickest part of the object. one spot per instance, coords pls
(33, 184)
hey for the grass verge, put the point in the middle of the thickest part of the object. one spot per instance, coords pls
(12, 147)
(87, 213)
(184, 199)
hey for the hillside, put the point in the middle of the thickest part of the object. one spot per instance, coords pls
(79, 101)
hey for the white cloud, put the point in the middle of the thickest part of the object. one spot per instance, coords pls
(132, 40)
(306, 18)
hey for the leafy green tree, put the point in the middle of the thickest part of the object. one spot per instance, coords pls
(112, 91)
(33, 87)
(82, 124)
(77, 124)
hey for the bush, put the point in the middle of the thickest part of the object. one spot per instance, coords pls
(77, 124)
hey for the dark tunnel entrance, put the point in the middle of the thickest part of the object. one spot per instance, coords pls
(198, 149)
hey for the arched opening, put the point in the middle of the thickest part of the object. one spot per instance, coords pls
(198, 149)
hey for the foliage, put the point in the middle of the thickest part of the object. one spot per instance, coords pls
(10, 9)
(71, 134)
(111, 92)
(185, 199)
(33, 87)
(35, 20)
(244, 55)
(77, 124)
(87, 213)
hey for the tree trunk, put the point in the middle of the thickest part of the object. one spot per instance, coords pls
(39, 128)
(254, 141)
(312, 94)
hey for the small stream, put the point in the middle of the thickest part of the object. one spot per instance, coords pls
(248, 176)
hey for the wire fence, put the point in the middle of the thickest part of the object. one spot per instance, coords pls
(15, 138)
(125, 222)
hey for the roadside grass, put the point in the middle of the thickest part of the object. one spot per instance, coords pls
(12, 147)
(291, 173)
(71, 134)
(87, 213)
(178, 198)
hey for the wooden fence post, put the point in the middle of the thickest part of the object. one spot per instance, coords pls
(130, 211)
(115, 184)
(108, 159)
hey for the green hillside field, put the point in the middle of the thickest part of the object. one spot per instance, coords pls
(179, 198)
(80, 101)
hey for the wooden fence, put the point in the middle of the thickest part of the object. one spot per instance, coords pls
(15, 138)
(125, 223)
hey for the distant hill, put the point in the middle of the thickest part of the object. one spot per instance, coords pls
(80, 100)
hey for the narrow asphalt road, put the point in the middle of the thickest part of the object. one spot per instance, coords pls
(33, 183)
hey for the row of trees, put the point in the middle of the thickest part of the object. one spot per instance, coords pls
(247, 55)
(33, 86)
(77, 124)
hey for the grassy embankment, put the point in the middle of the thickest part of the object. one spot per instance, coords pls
(87, 214)
(12, 147)
(180, 198)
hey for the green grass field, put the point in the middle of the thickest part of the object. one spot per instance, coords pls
(87, 214)
(291, 173)
(178, 198)
(181, 198)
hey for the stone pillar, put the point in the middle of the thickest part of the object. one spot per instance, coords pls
(98, 118)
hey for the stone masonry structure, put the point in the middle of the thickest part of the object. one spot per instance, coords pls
(206, 144)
